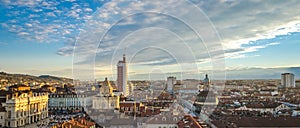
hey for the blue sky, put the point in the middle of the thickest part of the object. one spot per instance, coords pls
(259, 39)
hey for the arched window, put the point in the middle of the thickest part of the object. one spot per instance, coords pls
(112, 105)
(175, 118)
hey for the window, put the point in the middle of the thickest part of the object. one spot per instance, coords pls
(17, 113)
(175, 118)
(9, 114)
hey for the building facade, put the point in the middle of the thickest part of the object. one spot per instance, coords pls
(69, 101)
(106, 99)
(297, 83)
(122, 76)
(22, 108)
(288, 80)
(206, 98)
(171, 80)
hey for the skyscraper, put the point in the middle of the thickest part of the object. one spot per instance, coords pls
(171, 80)
(287, 80)
(122, 76)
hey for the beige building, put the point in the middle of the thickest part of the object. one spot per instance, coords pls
(106, 99)
(22, 107)
(2, 116)
(69, 101)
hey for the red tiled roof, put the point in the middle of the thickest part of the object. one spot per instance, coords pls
(189, 121)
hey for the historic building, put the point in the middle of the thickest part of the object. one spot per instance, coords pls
(105, 105)
(106, 99)
(19, 108)
(177, 86)
(206, 96)
(69, 101)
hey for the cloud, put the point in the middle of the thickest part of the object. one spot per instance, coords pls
(45, 21)
(88, 9)
(28, 24)
(29, 3)
(73, 14)
(240, 24)
(152, 29)
(23, 33)
(240, 20)
(51, 14)
(242, 52)
(253, 20)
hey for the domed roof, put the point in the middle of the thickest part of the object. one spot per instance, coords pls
(106, 82)
(206, 79)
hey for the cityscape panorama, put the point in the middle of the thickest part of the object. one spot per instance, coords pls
(149, 64)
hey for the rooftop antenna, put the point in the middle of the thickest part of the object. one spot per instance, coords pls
(124, 55)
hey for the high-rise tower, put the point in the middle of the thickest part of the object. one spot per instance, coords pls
(122, 76)
(287, 80)
(171, 80)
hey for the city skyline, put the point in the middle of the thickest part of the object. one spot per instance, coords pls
(259, 39)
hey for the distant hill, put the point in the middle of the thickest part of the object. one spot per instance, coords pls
(15, 78)
(53, 77)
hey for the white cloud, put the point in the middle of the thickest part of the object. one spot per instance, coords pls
(88, 9)
(28, 25)
(71, 0)
(33, 16)
(73, 14)
(51, 14)
(45, 3)
(23, 33)
(44, 20)
(256, 20)
(29, 3)
(237, 26)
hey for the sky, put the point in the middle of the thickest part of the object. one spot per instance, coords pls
(231, 39)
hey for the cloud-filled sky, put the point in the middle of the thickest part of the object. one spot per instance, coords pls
(259, 38)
